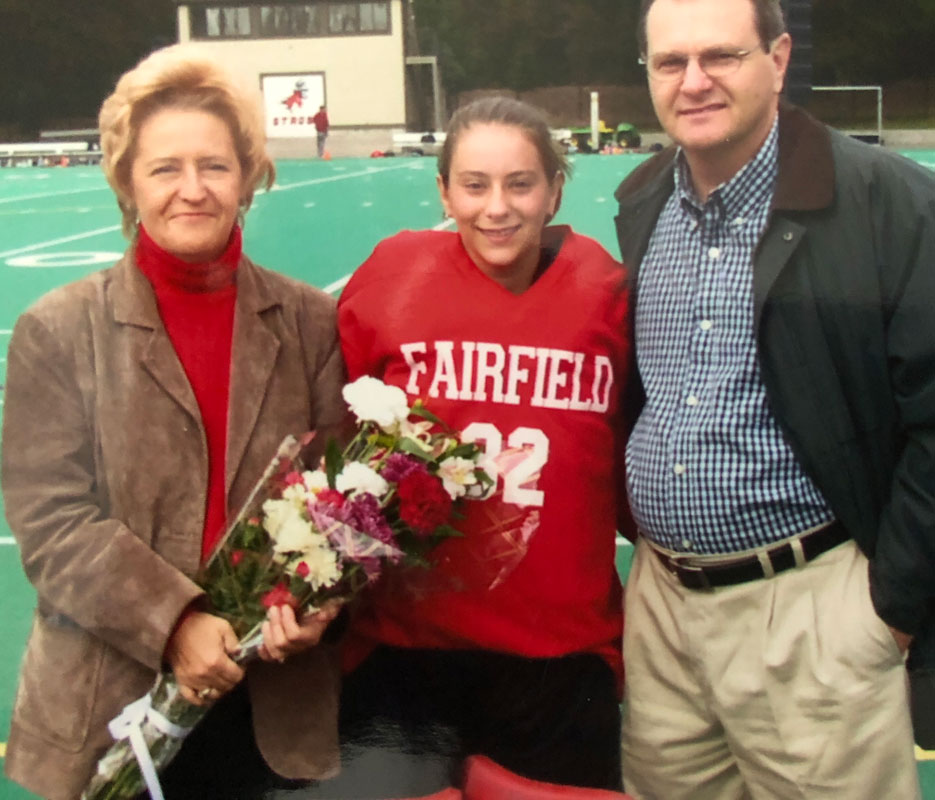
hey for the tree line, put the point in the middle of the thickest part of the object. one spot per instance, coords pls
(59, 58)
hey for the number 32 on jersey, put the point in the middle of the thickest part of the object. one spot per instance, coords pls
(519, 464)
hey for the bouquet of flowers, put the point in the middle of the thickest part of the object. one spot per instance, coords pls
(305, 537)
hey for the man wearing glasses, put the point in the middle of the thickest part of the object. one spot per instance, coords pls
(782, 469)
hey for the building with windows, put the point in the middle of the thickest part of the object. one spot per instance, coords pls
(348, 56)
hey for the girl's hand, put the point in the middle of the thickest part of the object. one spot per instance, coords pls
(284, 635)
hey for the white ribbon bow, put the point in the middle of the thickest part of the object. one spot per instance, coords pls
(128, 724)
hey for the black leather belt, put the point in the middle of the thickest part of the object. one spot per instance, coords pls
(694, 573)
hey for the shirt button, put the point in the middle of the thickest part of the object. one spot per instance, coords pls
(788, 236)
(691, 400)
(686, 544)
(706, 324)
(679, 469)
(714, 252)
(739, 221)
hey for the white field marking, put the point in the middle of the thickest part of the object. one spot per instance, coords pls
(367, 203)
(310, 205)
(7, 540)
(42, 176)
(924, 755)
(6, 331)
(9, 212)
(344, 176)
(340, 283)
(600, 199)
(621, 542)
(53, 194)
(76, 237)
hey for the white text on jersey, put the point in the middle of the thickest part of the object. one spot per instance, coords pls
(488, 372)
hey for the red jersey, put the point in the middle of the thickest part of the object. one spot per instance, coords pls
(538, 372)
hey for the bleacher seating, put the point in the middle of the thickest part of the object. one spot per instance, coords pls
(55, 148)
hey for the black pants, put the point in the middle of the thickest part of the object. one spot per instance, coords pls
(410, 717)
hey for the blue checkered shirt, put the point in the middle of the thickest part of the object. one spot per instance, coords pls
(708, 467)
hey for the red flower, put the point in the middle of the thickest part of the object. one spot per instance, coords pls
(293, 478)
(423, 502)
(302, 569)
(331, 496)
(236, 557)
(280, 595)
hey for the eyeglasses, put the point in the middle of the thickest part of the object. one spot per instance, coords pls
(718, 62)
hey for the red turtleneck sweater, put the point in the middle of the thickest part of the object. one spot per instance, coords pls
(196, 304)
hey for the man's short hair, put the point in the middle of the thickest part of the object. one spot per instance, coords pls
(768, 18)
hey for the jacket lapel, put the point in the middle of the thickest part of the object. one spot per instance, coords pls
(134, 306)
(253, 359)
(805, 183)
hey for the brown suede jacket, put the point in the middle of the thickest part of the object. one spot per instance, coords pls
(105, 467)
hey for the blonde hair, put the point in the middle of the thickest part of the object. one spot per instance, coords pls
(184, 77)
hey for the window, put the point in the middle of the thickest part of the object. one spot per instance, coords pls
(226, 21)
(343, 18)
(374, 17)
(278, 20)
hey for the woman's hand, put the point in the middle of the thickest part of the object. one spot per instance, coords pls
(284, 635)
(199, 653)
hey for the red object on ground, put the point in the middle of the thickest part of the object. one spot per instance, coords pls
(484, 779)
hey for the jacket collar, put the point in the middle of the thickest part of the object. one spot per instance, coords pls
(134, 301)
(806, 167)
(254, 351)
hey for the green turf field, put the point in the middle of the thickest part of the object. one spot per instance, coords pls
(318, 223)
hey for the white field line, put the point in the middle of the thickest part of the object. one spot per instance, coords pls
(340, 283)
(63, 240)
(621, 542)
(40, 195)
(110, 229)
(7, 540)
(344, 176)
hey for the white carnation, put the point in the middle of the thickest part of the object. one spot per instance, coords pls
(315, 481)
(275, 513)
(296, 535)
(372, 400)
(322, 564)
(357, 477)
(295, 493)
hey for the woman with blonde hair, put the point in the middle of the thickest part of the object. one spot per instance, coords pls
(142, 403)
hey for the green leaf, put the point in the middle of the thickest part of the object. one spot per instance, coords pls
(466, 450)
(418, 410)
(412, 448)
(334, 462)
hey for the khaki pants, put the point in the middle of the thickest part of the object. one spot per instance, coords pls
(787, 687)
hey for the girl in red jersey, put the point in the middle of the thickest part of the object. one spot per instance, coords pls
(514, 332)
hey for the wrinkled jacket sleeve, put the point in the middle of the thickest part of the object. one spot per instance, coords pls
(87, 569)
(904, 563)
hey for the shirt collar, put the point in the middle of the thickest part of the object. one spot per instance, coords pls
(756, 177)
